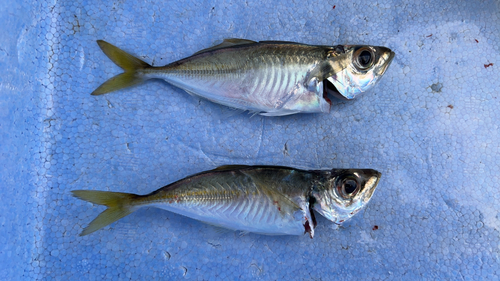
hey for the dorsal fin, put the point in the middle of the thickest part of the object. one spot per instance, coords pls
(225, 44)
(281, 42)
(230, 167)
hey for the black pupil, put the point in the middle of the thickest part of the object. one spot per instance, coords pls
(364, 58)
(350, 186)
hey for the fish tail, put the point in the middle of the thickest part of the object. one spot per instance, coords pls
(119, 205)
(129, 63)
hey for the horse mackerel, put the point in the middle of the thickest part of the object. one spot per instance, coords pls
(269, 200)
(272, 78)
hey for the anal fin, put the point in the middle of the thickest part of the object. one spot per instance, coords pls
(281, 113)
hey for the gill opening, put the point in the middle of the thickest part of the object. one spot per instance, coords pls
(312, 201)
(330, 89)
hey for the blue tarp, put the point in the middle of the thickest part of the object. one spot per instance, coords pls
(430, 127)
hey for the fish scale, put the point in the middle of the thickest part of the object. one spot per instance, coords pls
(243, 71)
(253, 207)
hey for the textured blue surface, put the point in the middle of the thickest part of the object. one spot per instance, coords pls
(431, 127)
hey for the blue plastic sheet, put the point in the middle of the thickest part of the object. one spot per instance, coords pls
(431, 127)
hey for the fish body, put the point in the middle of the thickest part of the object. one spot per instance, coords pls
(271, 78)
(261, 199)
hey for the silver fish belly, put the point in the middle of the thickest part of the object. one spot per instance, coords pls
(271, 78)
(260, 199)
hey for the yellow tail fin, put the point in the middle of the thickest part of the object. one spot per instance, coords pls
(124, 60)
(119, 205)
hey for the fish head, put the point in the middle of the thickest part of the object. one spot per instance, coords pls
(355, 69)
(343, 193)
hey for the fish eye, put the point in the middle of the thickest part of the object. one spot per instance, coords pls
(363, 58)
(348, 186)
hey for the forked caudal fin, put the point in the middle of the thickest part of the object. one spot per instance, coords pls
(129, 63)
(119, 205)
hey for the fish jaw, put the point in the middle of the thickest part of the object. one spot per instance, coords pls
(332, 203)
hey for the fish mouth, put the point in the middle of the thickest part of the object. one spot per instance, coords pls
(388, 62)
(371, 183)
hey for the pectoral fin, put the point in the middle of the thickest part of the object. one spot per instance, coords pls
(310, 221)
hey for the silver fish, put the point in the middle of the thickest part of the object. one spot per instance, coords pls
(271, 78)
(269, 200)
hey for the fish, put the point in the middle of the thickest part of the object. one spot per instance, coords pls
(270, 78)
(269, 200)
